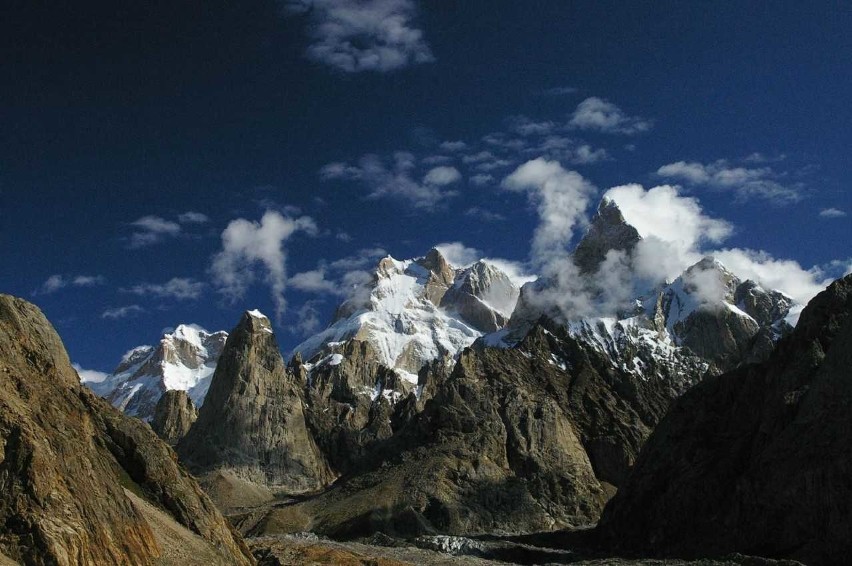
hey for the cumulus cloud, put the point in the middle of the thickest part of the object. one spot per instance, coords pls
(396, 179)
(674, 227)
(442, 176)
(313, 281)
(782, 274)
(89, 376)
(363, 35)
(600, 115)
(832, 213)
(251, 249)
(115, 313)
(561, 198)
(56, 282)
(178, 288)
(746, 182)
(457, 254)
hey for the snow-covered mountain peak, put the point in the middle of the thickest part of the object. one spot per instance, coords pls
(184, 359)
(418, 310)
(607, 231)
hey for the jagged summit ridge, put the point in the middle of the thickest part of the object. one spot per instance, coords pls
(416, 311)
(184, 359)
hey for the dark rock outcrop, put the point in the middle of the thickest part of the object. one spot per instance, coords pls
(758, 460)
(515, 440)
(173, 416)
(252, 423)
(75, 473)
(607, 232)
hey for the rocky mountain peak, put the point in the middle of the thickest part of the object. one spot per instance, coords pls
(607, 231)
(771, 442)
(184, 359)
(82, 483)
(252, 423)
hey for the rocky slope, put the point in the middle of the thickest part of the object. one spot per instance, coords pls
(252, 424)
(757, 460)
(515, 440)
(173, 416)
(184, 359)
(77, 476)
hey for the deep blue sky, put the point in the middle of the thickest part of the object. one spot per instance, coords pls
(118, 111)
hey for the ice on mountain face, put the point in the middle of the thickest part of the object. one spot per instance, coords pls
(409, 317)
(184, 359)
(256, 314)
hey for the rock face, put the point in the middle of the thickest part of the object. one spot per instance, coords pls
(515, 440)
(174, 414)
(758, 460)
(183, 360)
(608, 231)
(252, 423)
(74, 472)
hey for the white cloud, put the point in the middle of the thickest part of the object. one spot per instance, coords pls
(115, 313)
(457, 254)
(442, 176)
(249, 248)
(396, 180)
(832, 213)
(603, 116)
(363, 35)
(559, 91)
(561, 198)
(453, 146)
(746, 182)
(56, 282)
(308, 319)
(782, 274)
(179, 288)
(191, 217)
(151, 230)
(313, 281)
(526, 127)
(90, 375)
(481, 179)
(362, 259)
(484, 214)
(514, 270)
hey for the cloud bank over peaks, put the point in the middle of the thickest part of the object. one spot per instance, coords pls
(363, 35)
(561, 198)
(253, 249)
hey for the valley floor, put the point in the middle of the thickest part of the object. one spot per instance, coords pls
(379, 550)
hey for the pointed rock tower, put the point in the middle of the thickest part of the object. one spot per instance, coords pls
(251, 427)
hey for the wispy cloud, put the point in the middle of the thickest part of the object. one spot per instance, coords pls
(832, 213)
(747, 182)
(396, 178)
(600, 115)
(561, 198)
(363, 35)
(178, 288)
(484, 214)
(151, 229)
(252, 248)
(192, 217)
(559, 91)
(56, 282)
(115, 313)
